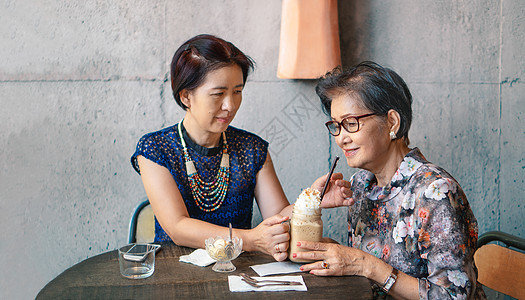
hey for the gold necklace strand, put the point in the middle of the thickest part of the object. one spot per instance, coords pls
(208, 196)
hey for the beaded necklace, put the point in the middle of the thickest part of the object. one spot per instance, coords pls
(208, 196)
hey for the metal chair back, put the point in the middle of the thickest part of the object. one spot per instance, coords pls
(142, 224)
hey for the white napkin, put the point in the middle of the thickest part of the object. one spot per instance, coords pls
(280, 267)
(198, 257)
(237, 285)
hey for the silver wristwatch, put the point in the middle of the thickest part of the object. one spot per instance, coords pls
(390, 280)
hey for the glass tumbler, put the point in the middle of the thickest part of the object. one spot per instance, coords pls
(137, 261)
(304, 226)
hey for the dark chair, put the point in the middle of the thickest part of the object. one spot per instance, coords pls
(142, 224)
(501, 268)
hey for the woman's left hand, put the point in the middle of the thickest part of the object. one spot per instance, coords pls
(332, 259)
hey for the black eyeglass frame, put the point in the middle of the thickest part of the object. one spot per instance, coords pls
(345, 121)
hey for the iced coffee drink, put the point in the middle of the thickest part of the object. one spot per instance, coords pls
(306, 223)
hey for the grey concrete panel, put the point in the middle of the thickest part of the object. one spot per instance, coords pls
(512, 159)
(73, 40)
(475, 157)
(254, 27)
(431, 120)
(430, 41)
(66, 173)
(513, 41)
(456, 127)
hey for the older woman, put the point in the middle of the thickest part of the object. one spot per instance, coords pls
(411, 229)
(201, 173)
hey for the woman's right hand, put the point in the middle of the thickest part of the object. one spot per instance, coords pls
(272, 237)
(337, 193)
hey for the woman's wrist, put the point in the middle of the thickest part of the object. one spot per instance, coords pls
(377, 270)
(246, 236)
(250, 241)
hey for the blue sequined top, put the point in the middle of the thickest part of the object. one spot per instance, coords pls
(247, 156)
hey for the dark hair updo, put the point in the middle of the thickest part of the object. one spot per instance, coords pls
(198, 56)
(380, 90)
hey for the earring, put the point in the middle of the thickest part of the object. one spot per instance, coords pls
(392, 135)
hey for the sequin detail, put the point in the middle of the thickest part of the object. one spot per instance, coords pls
(247, 153)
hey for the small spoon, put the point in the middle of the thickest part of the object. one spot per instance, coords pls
(228, 249)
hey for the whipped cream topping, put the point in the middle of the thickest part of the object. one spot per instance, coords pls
(308, 201)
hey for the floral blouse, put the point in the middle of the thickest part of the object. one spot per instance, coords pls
(421, 223)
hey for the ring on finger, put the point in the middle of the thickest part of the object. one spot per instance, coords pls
(325, 265)
(277, 248)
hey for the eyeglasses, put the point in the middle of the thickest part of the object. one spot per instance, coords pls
(350, 124)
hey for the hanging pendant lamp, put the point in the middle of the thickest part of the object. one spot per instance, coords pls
(309, 42)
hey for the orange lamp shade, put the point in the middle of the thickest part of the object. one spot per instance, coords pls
(309, 42)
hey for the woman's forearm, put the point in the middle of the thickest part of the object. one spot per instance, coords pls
(192, 233)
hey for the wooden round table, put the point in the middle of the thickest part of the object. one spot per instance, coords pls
(99, 277)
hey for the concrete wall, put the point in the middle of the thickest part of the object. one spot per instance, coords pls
(82, 81)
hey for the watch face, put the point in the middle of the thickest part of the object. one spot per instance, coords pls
(389, 282)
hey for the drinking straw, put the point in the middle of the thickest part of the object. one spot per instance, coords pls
(329, 176)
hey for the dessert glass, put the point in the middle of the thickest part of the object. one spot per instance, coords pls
(215, 247)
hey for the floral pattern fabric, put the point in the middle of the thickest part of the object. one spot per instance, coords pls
(420, 223)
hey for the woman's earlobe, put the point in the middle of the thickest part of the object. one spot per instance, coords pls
(394, 119)
(184, 98)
